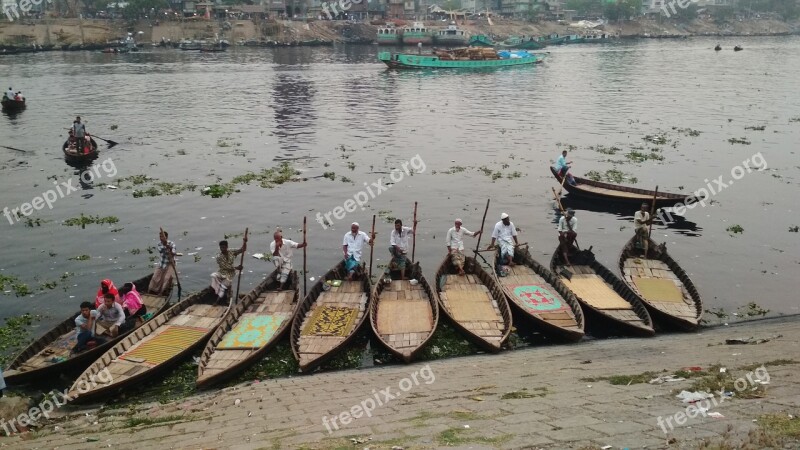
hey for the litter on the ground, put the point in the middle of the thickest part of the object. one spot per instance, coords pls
(750, 340)
(665, 379)
(716, 415)
(692, 397)
(723, 370)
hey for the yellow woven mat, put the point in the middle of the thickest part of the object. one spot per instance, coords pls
(331, 321)
(404, 316)
(594, 291)
(469, 306)
(173, 340)
(658, 290)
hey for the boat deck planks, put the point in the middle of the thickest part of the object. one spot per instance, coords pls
(467, 299)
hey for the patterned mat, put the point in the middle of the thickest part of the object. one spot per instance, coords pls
(658, 290)
(253, 331)
(66, 341)
(331, 321)
(536, 297)
(173, 340)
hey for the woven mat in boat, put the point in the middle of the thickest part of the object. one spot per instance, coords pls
(253, 330)
(466, 306)
(658, 290)
(594, 291)
(173, 340)
(65, 341)
(331, 321)
(537, 298)
(404, 316)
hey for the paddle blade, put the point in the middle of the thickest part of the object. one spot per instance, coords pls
(566, 274)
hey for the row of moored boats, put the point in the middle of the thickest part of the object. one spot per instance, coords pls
(418, 33)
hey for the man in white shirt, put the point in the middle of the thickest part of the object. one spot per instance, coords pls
(505, 234)
(455, 244)
(10, 94)
(398, 247)
(567, 226)
(110, 317)
(352, 245)
(641, 220)
(281, 250)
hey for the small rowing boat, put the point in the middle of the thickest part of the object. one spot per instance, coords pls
(154, 348)
(88, 154)
(251, 329)
(404, 314)
(12, 105)
(474, 303)
(538, 295)
(603, 296)
(51, 354)
(664, 287)
(329, 318)
(597, 190)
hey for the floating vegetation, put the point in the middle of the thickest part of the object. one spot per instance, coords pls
(14, 334)
(486, 171)
(330, 175)
(605, 150)
(164, 188)
(739, 141)
(794, 229)
(756, 128)
(658, 139)
(718, 312)
(385, 215)
(267, 178)
(454, 169)
(182, 152)
(227, 142)
(134, 180)
(83, 220)
(135, 251)
(687, 131)
(794, 119)
(514, 174)
(735, 229)
(34, 222)
(637, 156)
(346, 180)
(611, 176)
(752, 309)
(114, 127)
(218, 190)
(351, 165)
(13, 283)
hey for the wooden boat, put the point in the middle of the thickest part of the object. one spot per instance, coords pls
(665, 288)
(451, 36)
(417, 33)
(404, 316)
(329, 317)
(481, 40)
(462, 58)
(475, 303)
(603, 296)
(597, 190)
(51, 354)
(539, 295)
(12, 105)
(72, 155)
(266, 313)
(523, 44)
(574, 39)
(154, 348)
(389, 35)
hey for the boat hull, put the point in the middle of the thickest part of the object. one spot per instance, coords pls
(389, 39)
(80, 157)
(481, 40)
(411, 61)
(453, 41)
(686, 316)
(596, 190)
(13, 105)
(414, 39)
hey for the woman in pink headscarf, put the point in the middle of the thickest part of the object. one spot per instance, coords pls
(106, 286)
(132, 301)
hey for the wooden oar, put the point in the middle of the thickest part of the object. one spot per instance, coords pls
(241, 263)
(563, 179)
(171, 262)
(483, 221)
(15, 149)
(414, 234)
(305, 271)
(371, 247)
(108, 141)
(650, 225)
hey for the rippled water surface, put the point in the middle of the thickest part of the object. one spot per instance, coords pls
(189, 118)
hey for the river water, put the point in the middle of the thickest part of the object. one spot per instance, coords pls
(190, 118)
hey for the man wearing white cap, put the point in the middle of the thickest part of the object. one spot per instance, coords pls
(455, 244)
(351, 247)
(505, 234)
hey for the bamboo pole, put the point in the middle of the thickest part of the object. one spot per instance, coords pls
(305, 271)
(414, 235)
(650, 226)
(241, 263)
(372, 246)
(171, 262)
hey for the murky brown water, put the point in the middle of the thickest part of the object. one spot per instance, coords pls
(172, 110)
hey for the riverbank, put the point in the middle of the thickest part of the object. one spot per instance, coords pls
(586, 396)
(74, 34)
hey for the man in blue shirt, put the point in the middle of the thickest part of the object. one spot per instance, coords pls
(562, 167)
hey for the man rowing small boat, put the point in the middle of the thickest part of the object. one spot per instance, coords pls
(398, 248)
(281, 250)
(162, 275)
(455, 244)
(567, 225)
(641, 221)
(562, 166)
(79, 132)
(505, 235)
(352, 246)
(221, 280)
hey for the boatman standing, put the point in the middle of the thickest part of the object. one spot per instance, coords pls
(398, 247)
(455, 244)
(281, 250)
(352, 245)
(505, 234)
(221, 280)
(162, 276)
(641, 221)
(567, 226)
(79, 131)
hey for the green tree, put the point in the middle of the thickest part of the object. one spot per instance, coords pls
(584, 7)
(622, 10)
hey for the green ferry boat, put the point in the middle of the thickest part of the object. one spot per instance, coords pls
(389, 35)
(417, 34)
(521, 43)
(481, 40)
(462, 58)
